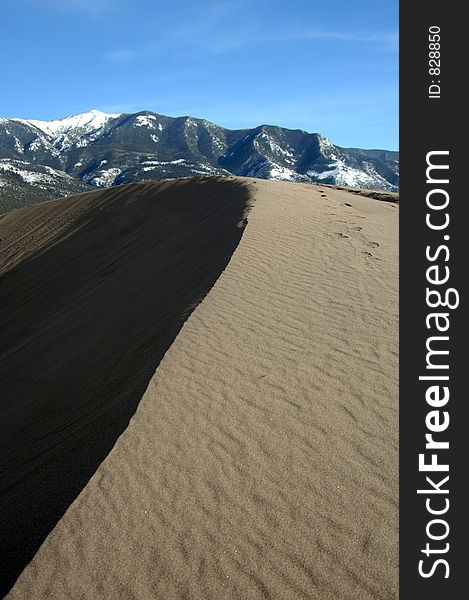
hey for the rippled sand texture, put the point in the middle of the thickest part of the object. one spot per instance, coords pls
(262, 459)
(93, 291)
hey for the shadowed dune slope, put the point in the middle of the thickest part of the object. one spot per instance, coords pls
(93, 290)
(261, 462)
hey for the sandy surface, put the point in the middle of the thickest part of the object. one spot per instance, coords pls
(93, 291)
(261, 461)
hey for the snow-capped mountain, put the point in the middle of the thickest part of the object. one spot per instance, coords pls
(65, 132)
(101, 150)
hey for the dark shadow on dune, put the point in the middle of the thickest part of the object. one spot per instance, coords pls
(84, 323)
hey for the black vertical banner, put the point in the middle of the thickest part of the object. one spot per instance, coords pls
(434, 231)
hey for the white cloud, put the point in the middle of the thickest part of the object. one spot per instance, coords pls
(218, 43)
(213, 41)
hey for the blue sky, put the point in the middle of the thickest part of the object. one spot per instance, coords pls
(328, 67)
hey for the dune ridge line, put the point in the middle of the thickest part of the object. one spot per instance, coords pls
(93, 291)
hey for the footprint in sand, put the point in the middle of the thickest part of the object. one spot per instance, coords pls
(373, 245)
(347, 204)
(369, 255)
(358, 228)
(341, 235)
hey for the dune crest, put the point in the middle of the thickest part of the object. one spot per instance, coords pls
(262, 459)
(93, 291)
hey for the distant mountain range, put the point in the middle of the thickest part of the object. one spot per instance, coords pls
(40, 160)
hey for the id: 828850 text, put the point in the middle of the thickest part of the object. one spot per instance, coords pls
(434, 61)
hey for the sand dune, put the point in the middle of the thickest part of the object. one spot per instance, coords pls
(93, 291)
(261, 461)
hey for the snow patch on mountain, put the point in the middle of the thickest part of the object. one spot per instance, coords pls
(93, 119)
(282, 173)
(269, 169)
(82, 143)
(163, 162)
(342, 174)
(326, 147)
(44, 175)
(36, 144)
(18, 146)
(145, 121)
(106, 177)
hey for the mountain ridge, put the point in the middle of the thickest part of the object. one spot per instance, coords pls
(97, 149)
